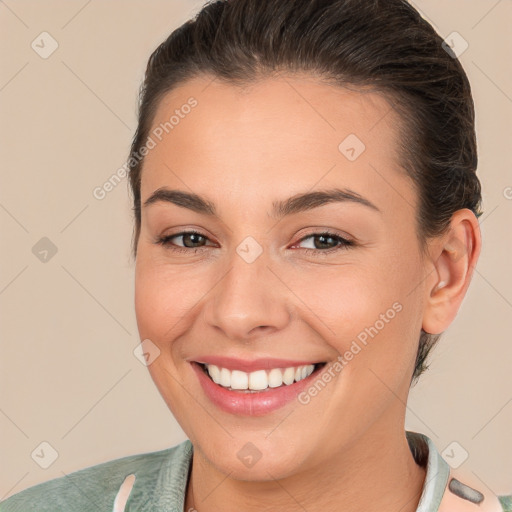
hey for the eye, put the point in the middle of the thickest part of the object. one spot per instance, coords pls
(320, 243)
(192, 241)
(325, 242)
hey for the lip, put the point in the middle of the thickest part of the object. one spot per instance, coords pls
(252, 404)
(244, 365)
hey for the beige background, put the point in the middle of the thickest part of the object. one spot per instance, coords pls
(68, 331)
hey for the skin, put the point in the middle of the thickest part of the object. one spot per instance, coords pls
(242, 149)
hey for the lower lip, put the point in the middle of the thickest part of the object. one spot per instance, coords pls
(251, 404)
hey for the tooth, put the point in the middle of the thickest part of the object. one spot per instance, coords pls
(275, 378)
(289, 376)
(258, 380)
(307, 370)
(239, 380)
(225, 377)
(214, 372)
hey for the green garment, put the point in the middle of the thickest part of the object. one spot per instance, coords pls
(161, 480)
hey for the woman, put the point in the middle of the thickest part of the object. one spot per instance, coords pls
(306, 204)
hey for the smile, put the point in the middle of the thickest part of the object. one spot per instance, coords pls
(254, 393)
(260, 380)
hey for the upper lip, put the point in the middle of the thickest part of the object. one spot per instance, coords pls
(250, 365)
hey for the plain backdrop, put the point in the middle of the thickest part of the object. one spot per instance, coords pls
(68, 375)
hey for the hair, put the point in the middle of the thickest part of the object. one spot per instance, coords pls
(381, 45)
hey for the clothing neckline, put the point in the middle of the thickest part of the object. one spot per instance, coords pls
(174, 475)
(425, 454)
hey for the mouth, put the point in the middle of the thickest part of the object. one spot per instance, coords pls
(259, 381)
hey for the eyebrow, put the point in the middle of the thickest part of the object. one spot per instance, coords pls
(295, 204)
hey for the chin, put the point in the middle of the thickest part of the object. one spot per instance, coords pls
(252, 460)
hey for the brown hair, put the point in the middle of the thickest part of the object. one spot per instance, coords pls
(381, 44)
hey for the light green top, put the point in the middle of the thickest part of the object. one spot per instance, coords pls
(161, 480)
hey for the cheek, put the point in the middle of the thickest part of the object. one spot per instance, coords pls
(168, 302)
(164, 299)
(163, 307)
(345, 298)
(150, 303)
(369, 313)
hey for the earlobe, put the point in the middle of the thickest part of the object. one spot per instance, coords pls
(454, 257)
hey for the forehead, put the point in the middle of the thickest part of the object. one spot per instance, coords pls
(282, 134)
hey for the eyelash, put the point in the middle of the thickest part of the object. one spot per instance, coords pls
(344, 244)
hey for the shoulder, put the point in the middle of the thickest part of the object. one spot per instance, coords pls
(451, 489)
(506, 503)
(468, 494)
(96, 487)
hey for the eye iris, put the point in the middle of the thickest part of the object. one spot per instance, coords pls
(193, 237)
(323, 243)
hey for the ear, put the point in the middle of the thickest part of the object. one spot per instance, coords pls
(454, 256)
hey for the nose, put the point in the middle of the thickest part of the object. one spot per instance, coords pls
(248, 302)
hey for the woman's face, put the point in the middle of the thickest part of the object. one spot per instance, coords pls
(260, 286)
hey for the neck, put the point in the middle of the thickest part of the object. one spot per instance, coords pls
(357, 479)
